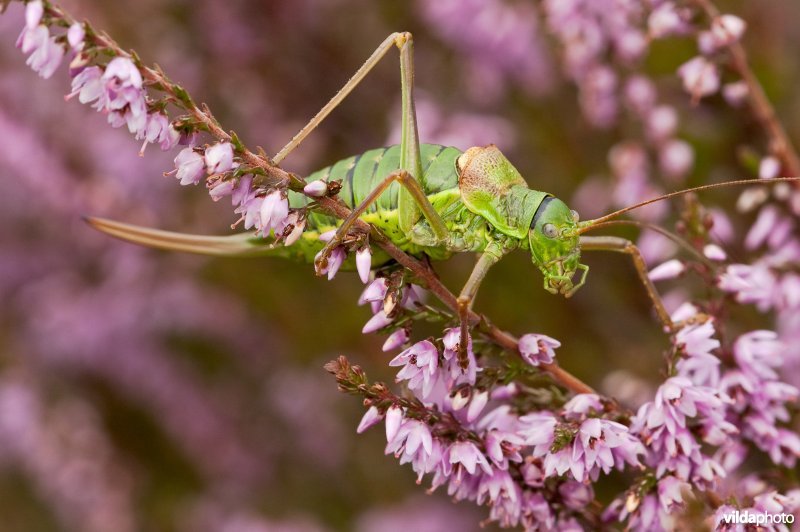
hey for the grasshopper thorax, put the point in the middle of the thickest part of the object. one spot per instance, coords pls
(555, 246)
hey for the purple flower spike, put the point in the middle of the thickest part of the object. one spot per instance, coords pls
(316, 188)
(538, 349)
(219, 158)
(190, 167)
(364, 263)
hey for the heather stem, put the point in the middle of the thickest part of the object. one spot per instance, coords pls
(779, 142)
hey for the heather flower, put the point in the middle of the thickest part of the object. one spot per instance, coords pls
(465, 456)
(664, 21)
(700, 77)
(75, 36)
(220, 189)
(768, 168)
(291, 229)
(735, 93)
(243, 192)
(370, 418)
(714, 252)
(752, 283)
(189, 167)
(397, 339)
(158, 129)
(219, 158)
(668, 270)
(538, 349)
(335, 261)
(376, 322)
(274, 210)
(124, 97)
(45, 53)
(316, 188)
(576, 495)
(420, 365)
(88, 86)
(364, 263)
(676, 158)
(598, 444)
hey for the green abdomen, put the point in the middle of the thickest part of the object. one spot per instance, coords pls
(360, 174)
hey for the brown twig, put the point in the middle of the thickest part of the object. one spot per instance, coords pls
(203, 116)
(779, 143)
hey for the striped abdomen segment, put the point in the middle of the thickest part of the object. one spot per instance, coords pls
(360, 174)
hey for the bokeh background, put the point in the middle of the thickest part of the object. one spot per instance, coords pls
(142, 390)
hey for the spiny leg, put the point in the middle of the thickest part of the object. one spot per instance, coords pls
(412, 201)
(395, 39)
(488, 259)
(623, 245)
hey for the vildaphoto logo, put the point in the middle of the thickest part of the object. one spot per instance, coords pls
(747, 517)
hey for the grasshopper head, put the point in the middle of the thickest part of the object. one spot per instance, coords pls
(555, 248)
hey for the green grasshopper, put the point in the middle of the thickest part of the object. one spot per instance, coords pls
(435, 201)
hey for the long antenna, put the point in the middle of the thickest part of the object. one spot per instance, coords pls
(585, 226)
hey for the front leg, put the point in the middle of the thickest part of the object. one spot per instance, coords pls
(488, 258)
(623, 245)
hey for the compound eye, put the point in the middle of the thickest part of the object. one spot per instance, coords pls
(575, 216)
(549, 230)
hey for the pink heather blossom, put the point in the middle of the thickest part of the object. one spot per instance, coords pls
(576, 495)
(751, 283)
(220, 189)
(190, 167)
(394, 417)
(243, 192)
(33, 14)
(538, 349)
(727, 29)
(316, 188)
(668, 270)
(397, 339)
(640, 94)
(664, 21)
(75, 36)
(87, 85)
(420, 367)
(476, 405)
(158, 129)
(583, 404)
(696, 339)
(371, 417)
(297, 225)
(335, 261)
(250, 209)
(769, 167)
(274, 210)
(124, 97)
(374, 292)
(735, 93)
(376, 322)
(364, 263)
(676, 158)
(465, 456)
(700, 77)
(662, 122)
(219, 158)
(45, 53)
(714, 252)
